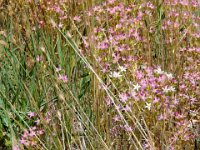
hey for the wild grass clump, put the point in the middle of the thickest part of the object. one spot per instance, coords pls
(99, 74)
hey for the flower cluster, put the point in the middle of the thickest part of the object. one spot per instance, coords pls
(29, 137)
(148, 55)
(128, 40)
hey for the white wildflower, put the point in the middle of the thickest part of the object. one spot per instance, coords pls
(159, 71)
(137, 87)
(122, 69)
(169, 89)
(172, 89)
(165, 89)
(169, 75)
(148, 106)
(115, 74)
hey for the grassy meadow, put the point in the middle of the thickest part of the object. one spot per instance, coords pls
(99, 75)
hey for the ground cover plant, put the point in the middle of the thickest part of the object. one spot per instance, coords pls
(99, 74)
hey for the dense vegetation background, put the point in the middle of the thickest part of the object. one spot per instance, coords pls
(95, 74)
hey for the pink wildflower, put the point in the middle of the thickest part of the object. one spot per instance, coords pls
(77, 18)
(58, 69)
(39, 58)
(123, 97)
(22, 141)
(15, 147)
(31, 114)
(63, 78)
(128, 128)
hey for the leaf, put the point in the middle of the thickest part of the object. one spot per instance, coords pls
(60, 53)
(2, 105)
(163, 16)
(5, 120)
(85, 83)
